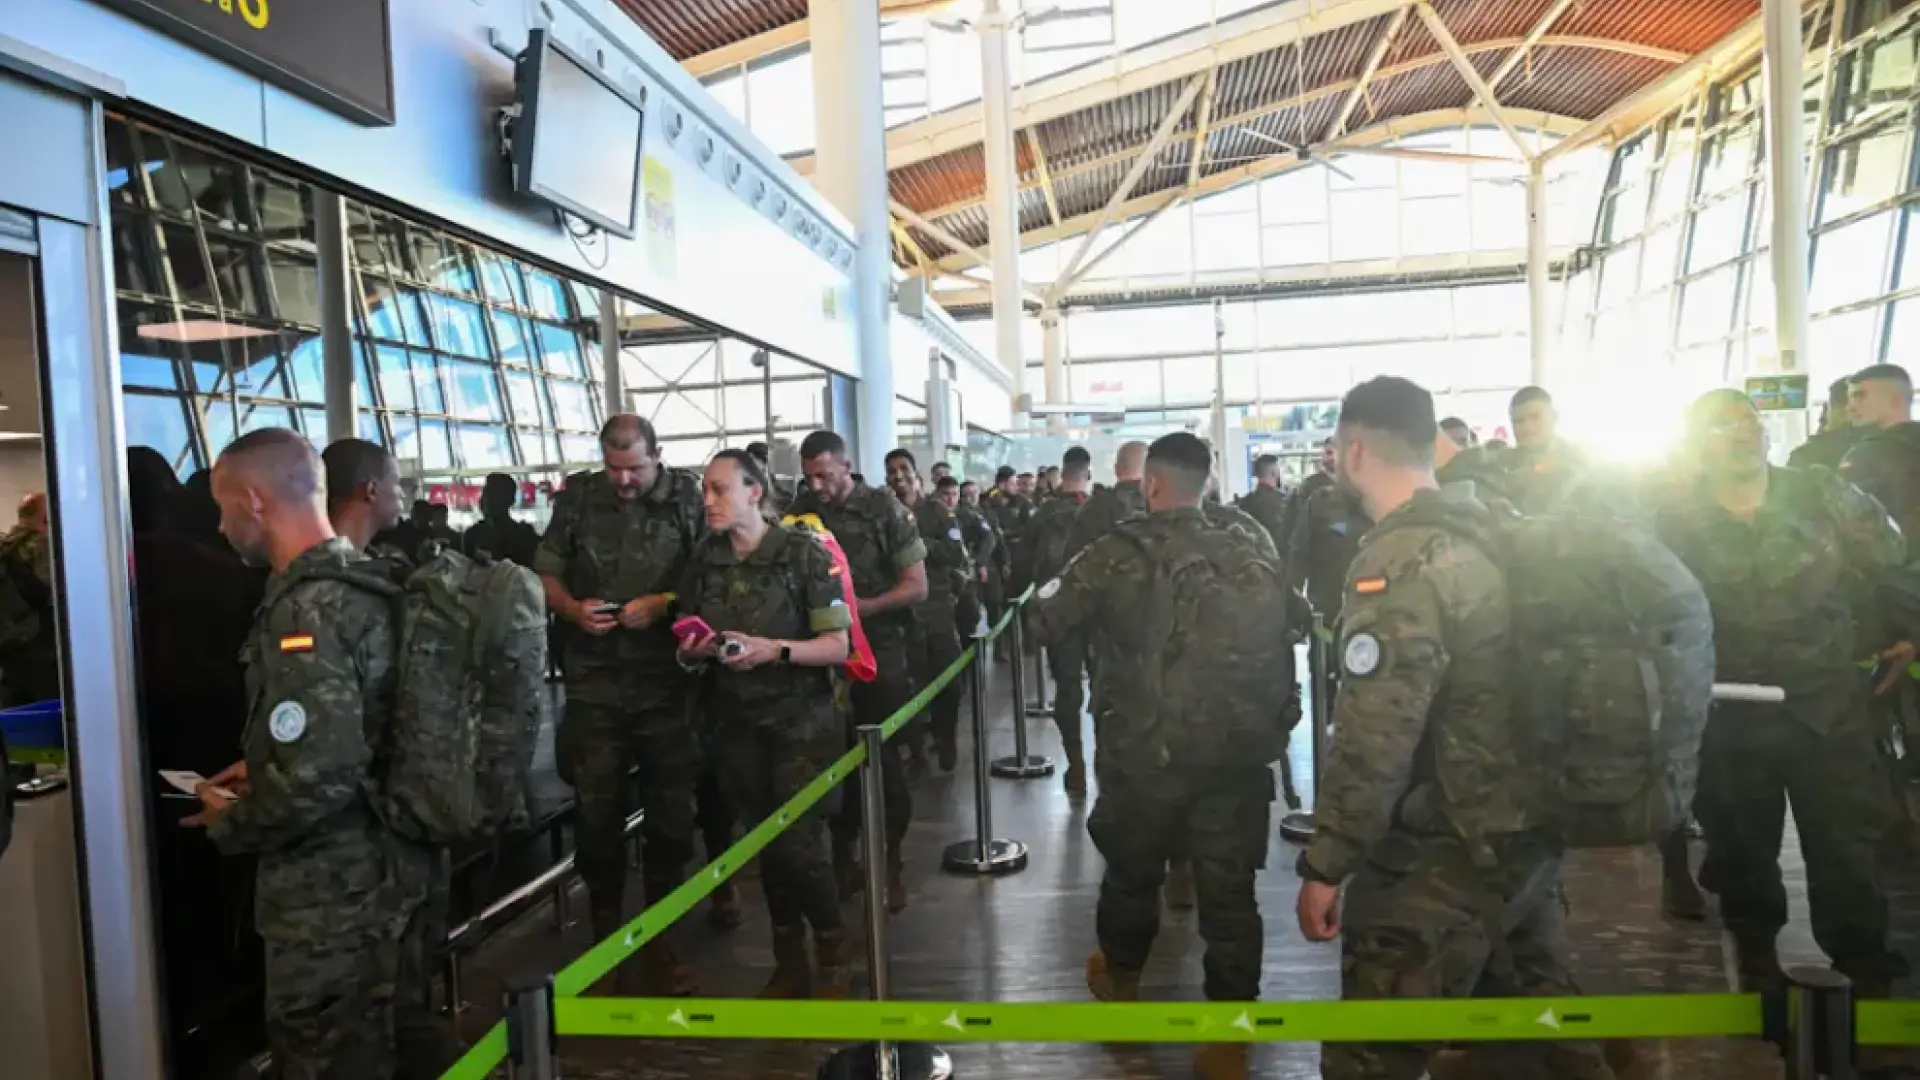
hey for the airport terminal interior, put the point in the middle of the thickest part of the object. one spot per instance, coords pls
(534, 268)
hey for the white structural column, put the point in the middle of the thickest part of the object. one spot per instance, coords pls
(1055, 372)
(852, 173)
(1539, 333)
(1787, 173)
(338, 371)
(1003, 189)
(615, 379)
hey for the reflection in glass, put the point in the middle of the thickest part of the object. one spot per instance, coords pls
(1850, 263)
(474, 393)
(161, 422)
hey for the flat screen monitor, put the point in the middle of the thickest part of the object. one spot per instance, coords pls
(576, 143)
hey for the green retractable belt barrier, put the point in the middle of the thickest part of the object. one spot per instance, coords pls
(1484, 1020)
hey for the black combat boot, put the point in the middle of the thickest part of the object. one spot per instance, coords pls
(1759, 964)
(792, 978)
(1678, 893)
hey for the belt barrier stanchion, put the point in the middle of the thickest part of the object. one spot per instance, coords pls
(529, 1018)
(1022, 765)
(884, 1059)
(1038, 708)
(1819, 1025)
(1298, 826)
(983, 854)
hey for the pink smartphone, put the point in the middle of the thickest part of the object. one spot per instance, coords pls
(692, 630)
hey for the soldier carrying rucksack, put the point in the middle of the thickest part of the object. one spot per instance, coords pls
(1449, 832)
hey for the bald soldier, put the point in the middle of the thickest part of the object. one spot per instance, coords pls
(1450, 889)
(338, 896)
(29, 653)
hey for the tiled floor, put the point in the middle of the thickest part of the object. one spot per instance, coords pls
(1025, 937)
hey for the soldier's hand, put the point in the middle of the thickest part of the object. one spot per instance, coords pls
(212, 805)
(1319, 911)
(1896, 661)
(587, 616)
(232, 778)
(643, 612)
(750, 654)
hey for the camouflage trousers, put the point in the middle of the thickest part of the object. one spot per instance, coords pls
(626, 744)
(872, 703)
(1753, 761)
(1219, 821)
(1067, 663)
(359, 1006)
(1417, 924)
(762, 764)
(931, 650)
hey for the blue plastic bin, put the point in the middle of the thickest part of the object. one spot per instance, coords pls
(36, 733)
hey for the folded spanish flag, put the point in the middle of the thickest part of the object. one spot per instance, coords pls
(860, 665)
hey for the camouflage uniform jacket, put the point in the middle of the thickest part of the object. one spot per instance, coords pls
(880, 540)
(1048, 542)
(1268, 506)
(1780, 582)
(949, 565)
(788, 590)
(1478, 467)
(1423, 741)
(26, 596)
(1235, 519)
(1011, 513)
(1826, 448)
(982, 541)
(1103, 592)
(1297, 502)
(1326, 537)
(320, 677)
(1105, 508)
(600, 545)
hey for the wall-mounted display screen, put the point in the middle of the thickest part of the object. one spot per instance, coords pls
(576, 143)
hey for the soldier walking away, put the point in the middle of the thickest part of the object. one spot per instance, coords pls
(337, 893)
(936, 642)
(613, 554)
(1044, 552)
(1267, 503)
(781, 624)
(1186, 728)
(1782, 555)
(1425, 633)
(888, 560)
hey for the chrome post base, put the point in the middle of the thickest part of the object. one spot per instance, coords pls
(911, 1061)
(1002, 857)
(1032, 767)
(1297, 827)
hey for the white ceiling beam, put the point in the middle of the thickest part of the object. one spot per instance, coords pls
(1248, 116)
(1374, 58)
(787, 36)
(973, 255)
(1046, 174)
(1481, 91)
(1373, 135)
(1540, 28)
(1197, 156)
(1065, 284)
(1161, 136)
(1180, 56)
(1634, 112)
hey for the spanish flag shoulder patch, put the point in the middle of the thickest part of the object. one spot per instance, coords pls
(1370, 586)
(296, 643)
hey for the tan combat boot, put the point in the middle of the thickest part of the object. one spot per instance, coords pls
(791, 978)
(1221, 1061)
(832, 977)
(1075, 780)
(662, 974)
(1108, 984)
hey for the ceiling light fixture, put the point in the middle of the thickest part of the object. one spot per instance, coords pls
(193, 331)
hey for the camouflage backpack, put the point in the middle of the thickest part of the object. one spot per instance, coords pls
(1220, 608)
(1612, 673)
(470, 696)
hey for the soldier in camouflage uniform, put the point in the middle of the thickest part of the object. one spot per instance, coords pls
(936, 642)
(1451, 889)
(1321, 477)
(772, 716)
(982, 546)
(336, 892)
(1153, 808)
(1045, 549)
(611, 558)
(888, 560)
(1266, 502)
(29, 651)
(1779, 552)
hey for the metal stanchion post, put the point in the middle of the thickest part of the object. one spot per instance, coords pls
(1039, 708)
(1819, 1032)
(529, 1014)
(881, 1060)
(983, 854)
(1022, 765)
(450, 986)
(1298, 826)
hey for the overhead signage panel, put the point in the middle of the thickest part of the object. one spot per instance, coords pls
(336, 53)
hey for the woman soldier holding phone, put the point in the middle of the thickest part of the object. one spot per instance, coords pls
(763, 612)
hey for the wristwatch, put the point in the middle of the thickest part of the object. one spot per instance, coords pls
(786, 653)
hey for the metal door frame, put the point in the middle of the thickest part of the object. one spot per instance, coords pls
(57, 110)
